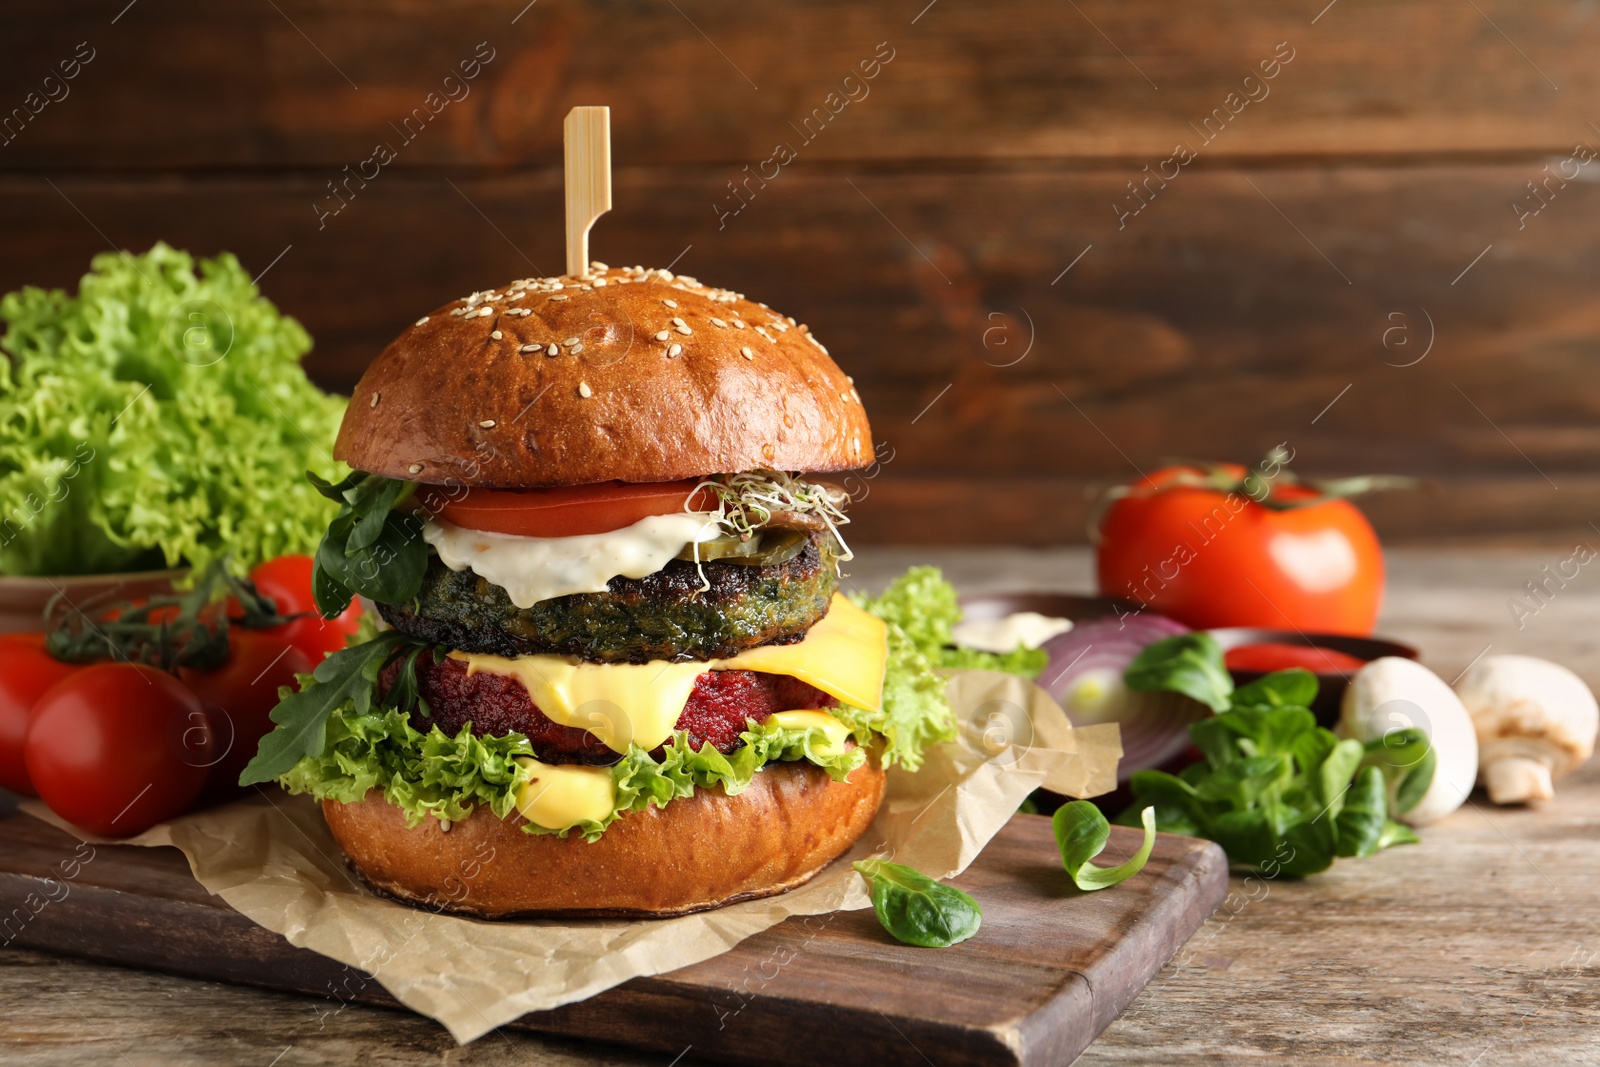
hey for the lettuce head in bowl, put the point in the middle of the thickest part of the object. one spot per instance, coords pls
(158, 418)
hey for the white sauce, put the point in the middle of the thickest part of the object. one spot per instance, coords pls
(531, 569)
(1026, 628)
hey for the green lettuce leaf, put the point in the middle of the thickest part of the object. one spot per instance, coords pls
(158, 417)
(924, 606)
(447, 776)
(915, 711)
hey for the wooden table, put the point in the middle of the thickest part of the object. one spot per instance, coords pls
(1480, 946)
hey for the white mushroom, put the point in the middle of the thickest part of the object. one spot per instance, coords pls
(1392, 694)
(1536, 721)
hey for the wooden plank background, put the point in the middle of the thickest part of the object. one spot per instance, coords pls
(1358, 230)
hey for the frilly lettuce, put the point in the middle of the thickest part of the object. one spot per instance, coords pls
(159, 416)
(924, 608)
(447, 776)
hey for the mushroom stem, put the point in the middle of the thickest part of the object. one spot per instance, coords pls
(1518, 780)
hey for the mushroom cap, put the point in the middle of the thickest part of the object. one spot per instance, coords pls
(1392, 693)
(1524, 707)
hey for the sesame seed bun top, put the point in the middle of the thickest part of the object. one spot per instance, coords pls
(620, 374)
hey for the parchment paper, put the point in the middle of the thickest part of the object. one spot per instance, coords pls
(272, 858)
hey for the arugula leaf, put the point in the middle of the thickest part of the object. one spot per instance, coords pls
(1278, 792)
(1190, 664)
(1081, 835)
(373, 547)
(349, 675)
(917, 910)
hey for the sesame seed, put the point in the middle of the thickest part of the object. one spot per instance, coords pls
(416, 468)
(746, 353)
(486, 312)
(597, 265)
(683, 330)
(855, 443)
(584, 390)
(718, 322)
(844, 395)
(662, 335)
(575, 349)
(678, 322)
(671, 303)
(569, 342)
(552, 350)
(559, 296)
(599, 282)
(497, 335)
(528, 349)
(375, 397)
(422, 321)
(487, 424)
(764, 334)
(855, 396)
(673, 351)
(739, 323)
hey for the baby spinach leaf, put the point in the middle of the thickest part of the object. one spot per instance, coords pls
(1081, 834)
(1190, 664)
(917, 910)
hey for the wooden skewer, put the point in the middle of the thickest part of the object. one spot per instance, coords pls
(586, 134)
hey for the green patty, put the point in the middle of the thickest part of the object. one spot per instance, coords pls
(665, 615)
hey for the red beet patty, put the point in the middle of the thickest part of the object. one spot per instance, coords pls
(496, 705)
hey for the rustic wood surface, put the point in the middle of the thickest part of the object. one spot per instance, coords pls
(1374, 206)
(1052, 968)
(1476, 946)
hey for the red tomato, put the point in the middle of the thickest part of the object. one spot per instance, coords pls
(287, 580)
(118, 747)
(1210, 558)
(239, 696)
(569, 510)
(26, 671)
(1273, 656)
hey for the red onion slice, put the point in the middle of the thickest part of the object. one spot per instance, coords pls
(1084, 676)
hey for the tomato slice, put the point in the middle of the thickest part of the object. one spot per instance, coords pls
(569, 511)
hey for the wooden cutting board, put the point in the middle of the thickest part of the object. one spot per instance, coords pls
(1050, 968)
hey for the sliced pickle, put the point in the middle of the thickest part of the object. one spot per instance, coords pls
(765, 549)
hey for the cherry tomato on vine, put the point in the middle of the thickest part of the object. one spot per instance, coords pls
(26, 672)
(117, 747)
(1219, 547)
(240, 695)
(287, 580)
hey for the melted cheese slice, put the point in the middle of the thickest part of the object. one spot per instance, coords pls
(844, 655)
(559, 796)
(531, 569)
(834, 732)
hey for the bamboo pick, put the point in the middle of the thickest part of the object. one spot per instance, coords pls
(587, 137)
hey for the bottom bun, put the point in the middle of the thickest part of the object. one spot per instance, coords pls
(697, 852)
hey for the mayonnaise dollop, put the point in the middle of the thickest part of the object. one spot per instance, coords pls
(531, 569)
(1026, 628)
